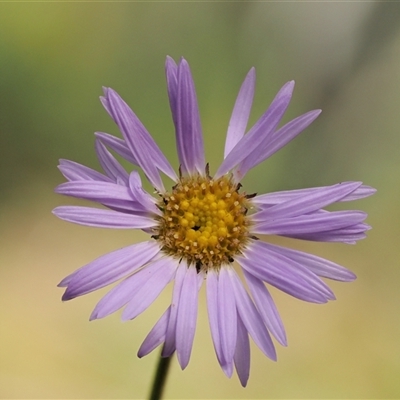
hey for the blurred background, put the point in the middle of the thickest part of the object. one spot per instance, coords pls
(54, 59)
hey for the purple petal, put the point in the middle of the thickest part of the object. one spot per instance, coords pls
(227, 315)
(242, 353)
(110, 194)
(266, 307)
(103, 218)
(170, 336)
(189, 137)
(260, 132)
(318, 265)
(187, 316)
(106, 104)
(360, 193)
(65, 282)
(77, 172)
(163, 274)
(241, 111)
(308, 203)
(118, 145)
(270, 199)
(281, 272)
(139, 141)
(109, 163)
(227, 368)
(109, 268)
(94, 190)
(347, 235)
(171, 73)
(124, 291)
(251, 318)
(156, 336)
(212, 308)
(279, 139)
(140, 196)
(213, 312)
(312, 223)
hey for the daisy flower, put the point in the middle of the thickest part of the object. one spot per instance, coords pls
(203, 224)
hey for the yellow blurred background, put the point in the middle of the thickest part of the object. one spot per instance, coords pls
(54, 59)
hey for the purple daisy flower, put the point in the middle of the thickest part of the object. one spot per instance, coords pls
(203, 224)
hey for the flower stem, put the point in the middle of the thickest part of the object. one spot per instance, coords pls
(160, 378)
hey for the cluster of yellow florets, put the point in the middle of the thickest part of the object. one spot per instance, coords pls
(204, 221)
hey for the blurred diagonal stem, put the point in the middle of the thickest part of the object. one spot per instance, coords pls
(160, 378)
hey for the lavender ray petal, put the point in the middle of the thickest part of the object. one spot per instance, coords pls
(317, 265)
(156, 336)
(123, 292)
(307, 203)
(163, 274)
(65, 282)
(189, 137)
(279, 272)
(139, 141)
(293, 269)
(227, 369)
(129, 207)
(251, 318)
(110, 165)
(270, 199)
(279, 139)
(260, 132)
(348, 235)
(241, 112)
(227, 315)
(171, 72)
(212, 308)
(311, 223)
(187, 316)
(103, 218)
(77, 172)
(266, 307)
(109, 268)
(118, 145)
(360, 193)
(110, 194)
(140, 196)
(94, 190)
(106, 104)
(296, 270)
(242, 353)
(170, 341)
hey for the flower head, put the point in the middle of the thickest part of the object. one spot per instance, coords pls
(203, 224)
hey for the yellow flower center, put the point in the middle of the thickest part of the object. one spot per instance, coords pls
(204, 221)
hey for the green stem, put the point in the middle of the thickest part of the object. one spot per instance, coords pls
(160, 378)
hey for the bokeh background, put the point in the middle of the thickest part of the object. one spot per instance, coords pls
(54, 59)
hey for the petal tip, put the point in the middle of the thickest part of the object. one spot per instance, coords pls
(140, 354)
(351, 277)
(93, 315)
(289, 86)
(252, 73)
(169, 60)
(68, 295)
(183, 362)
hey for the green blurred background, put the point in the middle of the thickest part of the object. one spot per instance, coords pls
(54, 59)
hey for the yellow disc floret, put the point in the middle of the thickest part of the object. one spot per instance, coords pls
(204, 221)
